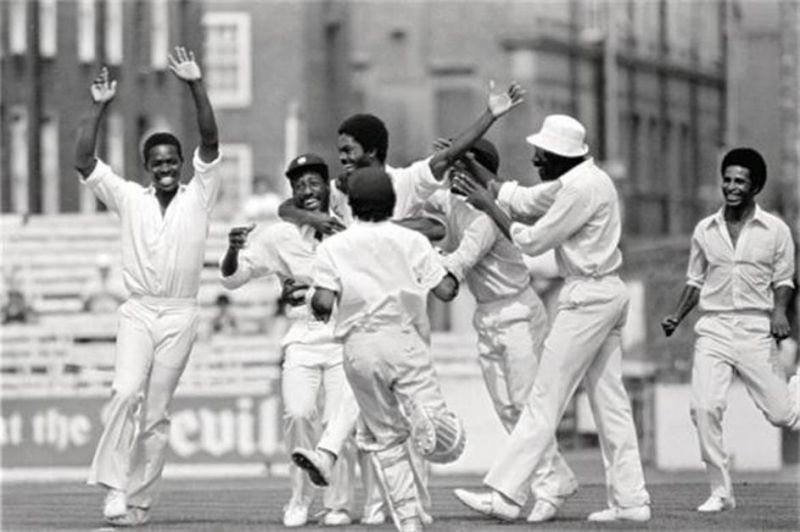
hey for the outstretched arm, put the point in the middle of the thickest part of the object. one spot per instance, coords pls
(184, 66)
(689, 298)
(498, 104)
(103, 91)
(320, 221)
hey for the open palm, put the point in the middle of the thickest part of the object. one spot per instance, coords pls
(183, 65)
(103, 89)
(502, 102)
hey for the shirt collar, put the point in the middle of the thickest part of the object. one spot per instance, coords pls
(759, 215)
(151, 190)
(573, 174)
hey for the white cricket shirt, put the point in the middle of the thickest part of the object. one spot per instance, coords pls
(382, 273)
(287, 250)
(478, 253)
(412, 186)
(582, 223)
(162, 255)
(740, 278)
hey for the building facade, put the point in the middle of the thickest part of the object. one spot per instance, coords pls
(50, 50)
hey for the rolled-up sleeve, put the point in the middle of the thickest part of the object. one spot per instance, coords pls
(259, 259)
(109, 187)
(477, 240)
(570, 211)
(207, 179)
(427, 265)
(698, 264)
(783, 272)
(528, 201)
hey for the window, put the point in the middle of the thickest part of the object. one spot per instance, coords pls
(48, 36)
(17, 26)
(86, 31)
(115, 141)
(19, 160)
(50, 165)
(114, 32)
(227, 58)
(236, 172)
(159, 37)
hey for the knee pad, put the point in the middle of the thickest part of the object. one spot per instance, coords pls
(450, 438)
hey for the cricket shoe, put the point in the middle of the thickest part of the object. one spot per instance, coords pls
(296, 513)
(373, 516)
(489, 503)
(542, 511)
(116, 504)
(318, 465)
(336, 518)
(615, 513)
(135, 516)
(715, 504)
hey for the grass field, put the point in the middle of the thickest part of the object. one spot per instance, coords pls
(767, 501)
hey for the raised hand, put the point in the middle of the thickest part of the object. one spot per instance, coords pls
(237, 236)
(502, 102)
(103, 89)
(184, 66)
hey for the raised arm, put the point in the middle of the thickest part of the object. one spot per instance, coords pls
(184, 66)
(320, 221)
(498, 104)
(689, 298)
(103, 91)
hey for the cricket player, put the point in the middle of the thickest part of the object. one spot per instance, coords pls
(583, 225)
(379, 274)
(510, 320)
(312, 357)
(164, 230)
(741, 265)
(363, 142)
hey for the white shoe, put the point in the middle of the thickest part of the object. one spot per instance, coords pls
(425, 517)
(133, 517)
(489, 503)
(116, 504)
(376, 517)
(542, 511)
(715, 503)
(318, 465)
(295, 514)
(412, 524)
(423, 431)
(634, 513)
(336, 518)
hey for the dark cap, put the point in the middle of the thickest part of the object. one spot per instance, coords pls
(371, 185)
(486, 154)
(307, 161)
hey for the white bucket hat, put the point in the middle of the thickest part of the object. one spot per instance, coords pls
(562, 135)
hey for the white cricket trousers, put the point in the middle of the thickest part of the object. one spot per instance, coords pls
(511, 335)
(154, 339)
(307, 370)
(740, 343)
(583, 344)
(388, 366)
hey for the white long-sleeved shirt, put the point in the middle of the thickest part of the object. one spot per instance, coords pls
(477, 252)
(582, 223)
(288, 251)
(741, 277)
(382, 273)
(412, 186)
(162, 254)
